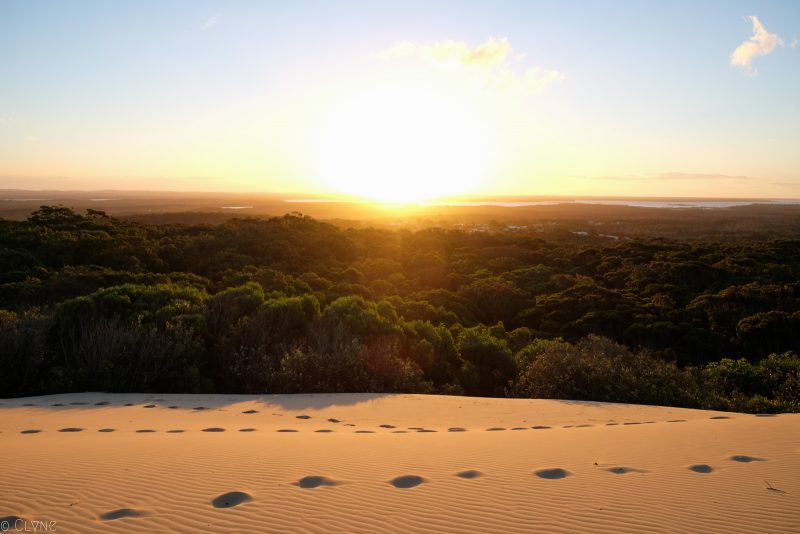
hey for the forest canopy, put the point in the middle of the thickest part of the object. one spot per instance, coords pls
(293, 304)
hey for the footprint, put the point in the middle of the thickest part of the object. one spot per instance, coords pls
(31, 431)
(746, 459)
(76, 403)
(324, 430)
(456, 429)
(552, 474)
(495, 429)
(612, 424)
(416, 428)
(287, 430)
(176, 431)
(231, 499)
(676, 421)
(247, 430)
(58, 404)
(365, 431)
(70, 429)
(349, 424)
(387, 426)
(427, 430)
(173, 407)
(632, 423)
(568, 426)
(399, 431)
(407, 481)
(315, 482)
(102, 403)
(587, 425)
(214, 429)
(765, 414)
(250, 411)
(519, 428)
(120, 513)
(106, 430)
(720, 417)
(701, 468)
(332, 420)
(540, 427)
(471, 473)
(199, 408)
(129, 404)
(145, 431)
(149, 406)
(623, 470)
(302, 417)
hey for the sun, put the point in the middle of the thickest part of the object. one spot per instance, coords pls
(401, 145)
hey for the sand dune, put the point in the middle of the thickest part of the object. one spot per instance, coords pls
(390, 463)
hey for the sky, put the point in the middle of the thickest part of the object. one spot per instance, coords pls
(401, 101)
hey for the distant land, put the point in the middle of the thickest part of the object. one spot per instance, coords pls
(599, 218)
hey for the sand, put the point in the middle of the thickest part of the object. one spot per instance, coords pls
(95, 462)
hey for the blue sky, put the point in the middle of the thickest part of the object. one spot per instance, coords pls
(223, 95)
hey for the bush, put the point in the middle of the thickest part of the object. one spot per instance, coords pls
(598, 369)
(353, 368)
(489, 365)
(22, 352)
(771, 385)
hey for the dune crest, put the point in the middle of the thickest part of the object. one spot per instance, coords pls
(442, 464)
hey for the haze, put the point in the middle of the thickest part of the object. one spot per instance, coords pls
(404, 101)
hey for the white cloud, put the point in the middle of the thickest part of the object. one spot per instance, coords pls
(492, 52)
(793, 44)
(760, 43)
(210, 22)
(492, 62)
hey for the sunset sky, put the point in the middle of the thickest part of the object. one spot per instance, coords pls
(403, 100)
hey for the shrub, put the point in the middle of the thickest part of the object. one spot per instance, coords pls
(598, 369)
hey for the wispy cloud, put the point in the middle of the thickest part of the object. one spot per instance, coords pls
(697, 176)
(677, 176)
(793, 44)
(492, 52)
(211, 22)
(492, 61)
(760, 43)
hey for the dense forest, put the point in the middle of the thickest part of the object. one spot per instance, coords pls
(292, 304)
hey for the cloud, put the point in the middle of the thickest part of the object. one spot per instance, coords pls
(668, 176)
(696, 176)
(492, 62)
(492, 52)
(760, 43)
(793, 44)
(210, 22)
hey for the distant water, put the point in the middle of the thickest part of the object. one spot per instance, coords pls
(673, 204)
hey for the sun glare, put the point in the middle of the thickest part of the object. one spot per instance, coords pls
(401, 146)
